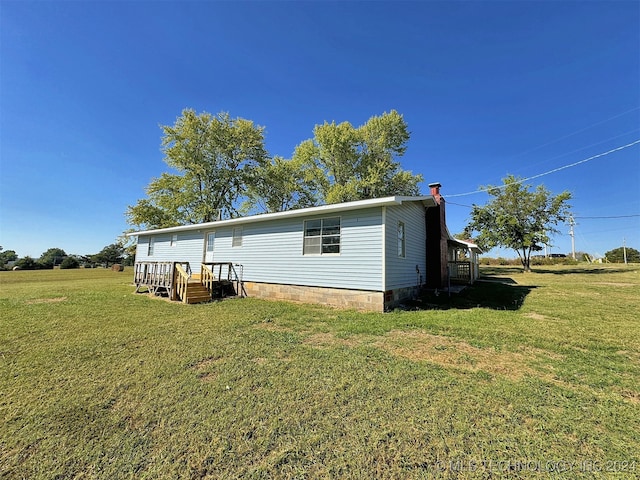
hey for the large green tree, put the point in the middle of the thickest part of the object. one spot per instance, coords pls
(214, 157)
(283, 184)
(617, 255)
(7, 256)
(52, 257)
(518, 218)
(360, 162)
(109, 255)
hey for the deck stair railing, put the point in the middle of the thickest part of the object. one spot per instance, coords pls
(181, 283)
(207, 277)
(222, 279)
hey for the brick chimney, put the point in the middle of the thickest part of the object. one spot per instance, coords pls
(437, 249)
(435, 191)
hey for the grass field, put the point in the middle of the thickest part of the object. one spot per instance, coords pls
(535, 375)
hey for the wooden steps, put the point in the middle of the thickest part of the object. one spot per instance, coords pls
(197, 293)
(176, 280)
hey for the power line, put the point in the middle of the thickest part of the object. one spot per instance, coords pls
(458, 204)
(576, 217)
(584, 148)
(612, 216)
(550, 171)
(576, 132)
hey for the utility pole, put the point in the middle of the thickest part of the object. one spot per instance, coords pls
(624, 249)
(573, 238)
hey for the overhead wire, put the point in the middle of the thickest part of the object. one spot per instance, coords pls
(580, 217)
(564, 167)
(583, 148)
(613, 150)
(611, 216)
(576, 132)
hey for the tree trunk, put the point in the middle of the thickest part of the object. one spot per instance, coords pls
(525, 259)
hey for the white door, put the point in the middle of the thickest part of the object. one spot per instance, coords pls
(208, 247)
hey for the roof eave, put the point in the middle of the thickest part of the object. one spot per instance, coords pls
(426, 200)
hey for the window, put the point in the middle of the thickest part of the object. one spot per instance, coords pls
(209, 241)
(321, 236)
(174, 240)
(237, 237)
(152, 242)
(401, 240)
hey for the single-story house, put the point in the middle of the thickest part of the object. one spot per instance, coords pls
(368, 254)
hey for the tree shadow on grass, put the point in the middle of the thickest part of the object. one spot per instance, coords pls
(501, 270)
(491, 272)
(496, 294)
(584, 270)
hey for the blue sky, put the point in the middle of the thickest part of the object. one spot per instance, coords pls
(487, 89)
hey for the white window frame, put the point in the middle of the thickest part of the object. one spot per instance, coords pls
(174, 240)
(151, 246)
(236, 240)
(209, 245)
(402, 240)
(318, 239)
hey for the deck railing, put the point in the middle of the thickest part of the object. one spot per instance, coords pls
(238, 279)
(460, 272)
(157, 276)
(223, 271)
(153, 274)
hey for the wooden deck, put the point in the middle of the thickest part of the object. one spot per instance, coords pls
(175, 280)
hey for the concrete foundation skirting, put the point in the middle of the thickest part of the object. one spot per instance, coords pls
(336, 297)
(395, 297)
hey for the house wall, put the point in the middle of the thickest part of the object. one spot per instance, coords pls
(188, 248)
(401, 272)
(271, 252)
(274, 265)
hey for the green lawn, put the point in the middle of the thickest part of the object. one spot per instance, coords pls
(534, 376)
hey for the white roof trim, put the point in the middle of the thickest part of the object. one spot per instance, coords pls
(463, 243)
(427, 200)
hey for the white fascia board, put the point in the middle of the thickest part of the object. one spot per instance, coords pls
(463, 243)
(427, 201)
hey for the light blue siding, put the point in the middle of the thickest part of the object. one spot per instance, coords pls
(189, 247)
(401, 272)
(271, 252)
(271, 249)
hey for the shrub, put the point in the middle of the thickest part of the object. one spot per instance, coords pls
(70, 262)
(617, 255)
(27, 263)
